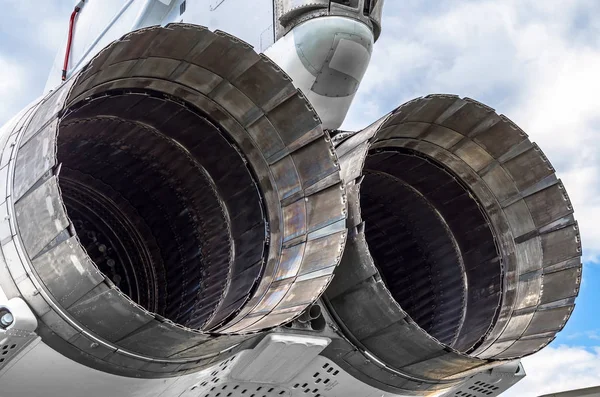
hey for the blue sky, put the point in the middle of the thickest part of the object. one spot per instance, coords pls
(535, 61)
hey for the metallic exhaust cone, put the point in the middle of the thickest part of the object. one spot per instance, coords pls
(462, 249)
(178, 185)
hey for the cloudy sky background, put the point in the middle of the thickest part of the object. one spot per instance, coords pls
(538, 62)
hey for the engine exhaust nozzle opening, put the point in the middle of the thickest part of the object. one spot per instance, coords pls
(432, 245)
(464, 250)
(155, 192)
(167, 194)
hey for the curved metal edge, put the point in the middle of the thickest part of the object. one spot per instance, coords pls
(260, 113)
(347, 352)
(290, 14)
(382, 329)
(527, 206)
(301, 149)
(27, 284)
(458, 132)
(287, 10)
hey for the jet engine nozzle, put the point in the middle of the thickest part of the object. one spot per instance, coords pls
(179, 185)
(462, 251)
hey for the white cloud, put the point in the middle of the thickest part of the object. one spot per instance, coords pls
(12, 84)
(35, 31)
(537, 62)
(557, 369)
(44, 22)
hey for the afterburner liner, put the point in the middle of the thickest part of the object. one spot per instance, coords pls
(462, 251)
(177, 191)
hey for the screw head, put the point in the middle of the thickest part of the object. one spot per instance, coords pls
(7, 319)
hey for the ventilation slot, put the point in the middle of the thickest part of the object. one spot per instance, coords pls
(6, 351)
(319, 379)
(238, 390)
(216, 385)
(478, 389)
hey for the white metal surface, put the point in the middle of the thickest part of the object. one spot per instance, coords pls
(17, 337)
(278, 358)
(281, 365)
(251, 21)
(321, 378)
(56, 375)
(63, 377)
(350, 58)
(326, 58)
(490, 383)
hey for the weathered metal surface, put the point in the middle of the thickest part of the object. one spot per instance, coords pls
(515, 241)
(42, 208)
(62, 268)
(491, 383)
(195, 191)
(291, 13)
(287, 10)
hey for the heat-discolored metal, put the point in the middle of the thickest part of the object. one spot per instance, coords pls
(460, 235)
(177, 191)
